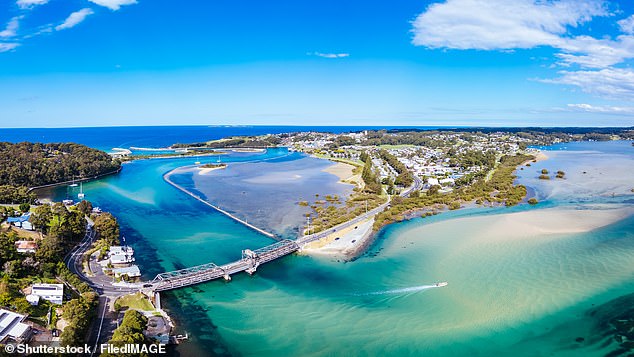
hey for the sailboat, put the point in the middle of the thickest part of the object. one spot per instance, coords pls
(81, 194)
(73, 184)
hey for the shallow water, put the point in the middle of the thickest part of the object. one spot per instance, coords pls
(527, 297)
(266, 193)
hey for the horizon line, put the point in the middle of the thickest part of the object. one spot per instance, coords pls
(333, 126)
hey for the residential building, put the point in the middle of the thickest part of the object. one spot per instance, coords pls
(12, 328)
(26, 246)
(131, 271)
(51, 292)
(22, 221)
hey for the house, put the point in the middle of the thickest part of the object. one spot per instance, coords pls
(120, 255)
(22, 221)
(26, 246)
(115, 250)
(432, 181)
(12, 328)
(131, 271)
(51, 292)
(121, 259)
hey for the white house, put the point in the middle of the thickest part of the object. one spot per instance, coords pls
(12, 328)
(121, 255)
(51, 292)
(131, 271)
(115, 250)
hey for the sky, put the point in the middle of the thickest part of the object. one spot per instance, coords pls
(316, 62)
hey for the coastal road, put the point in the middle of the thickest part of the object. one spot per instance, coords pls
(416, 185)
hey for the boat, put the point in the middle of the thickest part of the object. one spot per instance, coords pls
(81, 194)
(441, 284)
(73, 184)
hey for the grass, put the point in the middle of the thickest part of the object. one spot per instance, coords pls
(136, 301)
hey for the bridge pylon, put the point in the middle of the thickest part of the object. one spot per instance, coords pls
(252, 259)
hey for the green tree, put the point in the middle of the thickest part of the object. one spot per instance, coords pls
(85, 207)
(108, 228)
(433, 190)
(25, 207)
(41, 217)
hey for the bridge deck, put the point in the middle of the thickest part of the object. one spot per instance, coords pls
(210, 271)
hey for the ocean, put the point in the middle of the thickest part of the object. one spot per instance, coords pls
(553, 295)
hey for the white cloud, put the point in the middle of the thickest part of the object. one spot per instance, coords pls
(329, 55)
(501, 24)
(590, 52)
(589, 108)
(5, 47)
(611, 83)
(627, 25)
(113, 4)
(27, 4)
(11, 28)
(74, 19)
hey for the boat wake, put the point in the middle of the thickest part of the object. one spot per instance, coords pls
(411, 289)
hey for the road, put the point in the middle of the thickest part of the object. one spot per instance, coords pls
(416, 185)
(101, 327)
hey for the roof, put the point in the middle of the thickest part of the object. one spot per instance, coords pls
(130, 271)
(47, 289)
(121, 258)
(11, 324)
(25, 244)
(117, 250)
(23, 218)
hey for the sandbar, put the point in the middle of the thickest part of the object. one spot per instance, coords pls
(345, 172)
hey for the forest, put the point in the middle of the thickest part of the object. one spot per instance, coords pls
(25, 165)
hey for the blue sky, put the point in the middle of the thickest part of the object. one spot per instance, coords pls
(327, 62)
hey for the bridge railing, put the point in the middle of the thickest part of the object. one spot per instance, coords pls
(185, 272)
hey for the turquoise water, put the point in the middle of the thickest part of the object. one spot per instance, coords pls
(528, 297)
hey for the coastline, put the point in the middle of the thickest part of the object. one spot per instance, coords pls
(347, 243)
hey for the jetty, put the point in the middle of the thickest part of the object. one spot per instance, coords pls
(167, 179)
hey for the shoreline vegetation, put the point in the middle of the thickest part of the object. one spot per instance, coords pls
(207, 168)
(25, 166)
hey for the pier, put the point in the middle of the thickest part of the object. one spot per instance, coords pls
(167, 179)
(249, 263)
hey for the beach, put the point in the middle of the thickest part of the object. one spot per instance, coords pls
(345, 172)
(345, 243)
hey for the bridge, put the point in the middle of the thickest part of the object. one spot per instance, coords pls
(249, 262)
